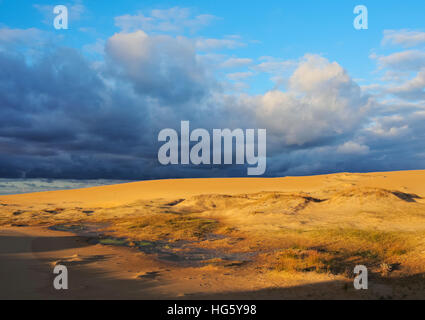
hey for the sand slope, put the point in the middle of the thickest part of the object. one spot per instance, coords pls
(223, 237)
(130, 192)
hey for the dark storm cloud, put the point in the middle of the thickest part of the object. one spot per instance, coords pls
(57, 118)
(63, 116)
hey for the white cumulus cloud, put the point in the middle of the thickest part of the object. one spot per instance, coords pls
(405, 37)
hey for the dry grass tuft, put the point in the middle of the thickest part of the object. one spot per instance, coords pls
(165, 226)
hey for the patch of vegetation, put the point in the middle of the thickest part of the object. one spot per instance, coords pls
(141, 243)
(114, 242)
(293, 259)
(370, 243)
(337, 251)
(165, 226)
(197, 227)
(68, 227)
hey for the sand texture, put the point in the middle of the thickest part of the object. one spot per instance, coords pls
(280, 238)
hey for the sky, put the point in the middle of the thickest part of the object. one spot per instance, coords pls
(88, 102)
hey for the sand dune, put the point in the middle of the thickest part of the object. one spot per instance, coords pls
(228, 237)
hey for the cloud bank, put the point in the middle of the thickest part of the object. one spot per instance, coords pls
(65, 115)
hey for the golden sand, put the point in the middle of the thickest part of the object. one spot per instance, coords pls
(293, 237)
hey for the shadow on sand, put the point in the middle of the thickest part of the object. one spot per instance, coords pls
(24, 276)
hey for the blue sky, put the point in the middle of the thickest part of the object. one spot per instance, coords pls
(283, 29)
(130, 68)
